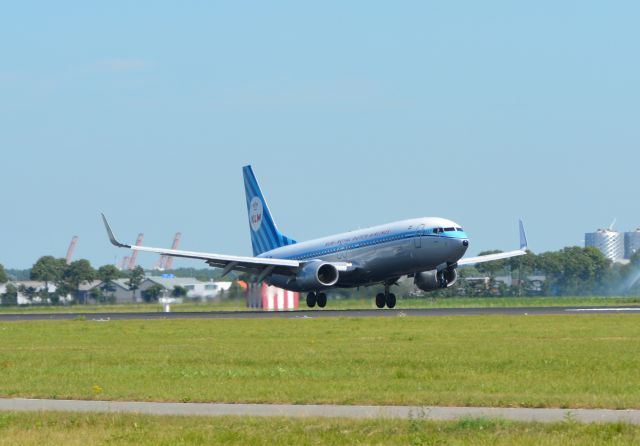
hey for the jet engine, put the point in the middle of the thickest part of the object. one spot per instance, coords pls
(434, 279)
(316, 275)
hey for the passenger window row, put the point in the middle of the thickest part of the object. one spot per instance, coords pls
(354, 246)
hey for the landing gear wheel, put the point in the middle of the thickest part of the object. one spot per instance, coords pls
(380, 300)
(391, 300)
(321, 298)
(311, 300)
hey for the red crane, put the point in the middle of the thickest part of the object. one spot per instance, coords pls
(134, 256)
(72, 248)
(168, 260)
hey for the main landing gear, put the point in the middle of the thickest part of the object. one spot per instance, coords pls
(386, 298)
(316, 298)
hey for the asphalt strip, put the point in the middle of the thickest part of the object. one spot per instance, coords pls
(292, 410)
(304, 314)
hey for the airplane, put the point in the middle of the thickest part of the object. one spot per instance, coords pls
(427, 249)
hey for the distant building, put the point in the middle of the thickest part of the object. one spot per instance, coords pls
(120, 291)
(533, 282)
(28, 288)
(609, 243)
(195, 288)
(631, 243)
(84, 290)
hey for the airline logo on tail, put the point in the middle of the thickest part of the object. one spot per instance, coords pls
(255, 214)
(264, 234)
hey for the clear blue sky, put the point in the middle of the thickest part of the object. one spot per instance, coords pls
(352, 114)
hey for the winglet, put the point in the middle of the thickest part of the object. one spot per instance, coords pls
(111, 236)
(523, 237)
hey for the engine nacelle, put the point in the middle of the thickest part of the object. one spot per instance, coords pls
(434, 280)
(316, 275)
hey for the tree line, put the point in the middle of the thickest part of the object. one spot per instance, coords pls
(68, 279)
(571, 271)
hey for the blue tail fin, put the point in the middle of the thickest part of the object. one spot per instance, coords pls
(264, 233)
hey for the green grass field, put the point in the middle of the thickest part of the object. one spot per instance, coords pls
(84, 429)
(239, 304)
(529, 361)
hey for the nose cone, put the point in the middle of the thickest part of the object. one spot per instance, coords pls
(464, 244)
(458, 249)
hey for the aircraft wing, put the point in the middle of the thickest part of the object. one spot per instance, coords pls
(501, 255)
(491, 257)
(255, 265)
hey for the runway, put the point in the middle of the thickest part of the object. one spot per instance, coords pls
(398, 312)
(314, 411)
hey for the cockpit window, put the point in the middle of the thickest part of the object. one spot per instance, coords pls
(449, 229)
(437, 230)
(459, 230)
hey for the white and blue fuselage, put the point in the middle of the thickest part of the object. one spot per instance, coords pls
(380, 253)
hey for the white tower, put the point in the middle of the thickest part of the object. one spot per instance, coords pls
(631, 243)
(610, 243)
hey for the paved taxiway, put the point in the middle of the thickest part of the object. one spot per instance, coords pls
(293, 410)
(322, 313)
